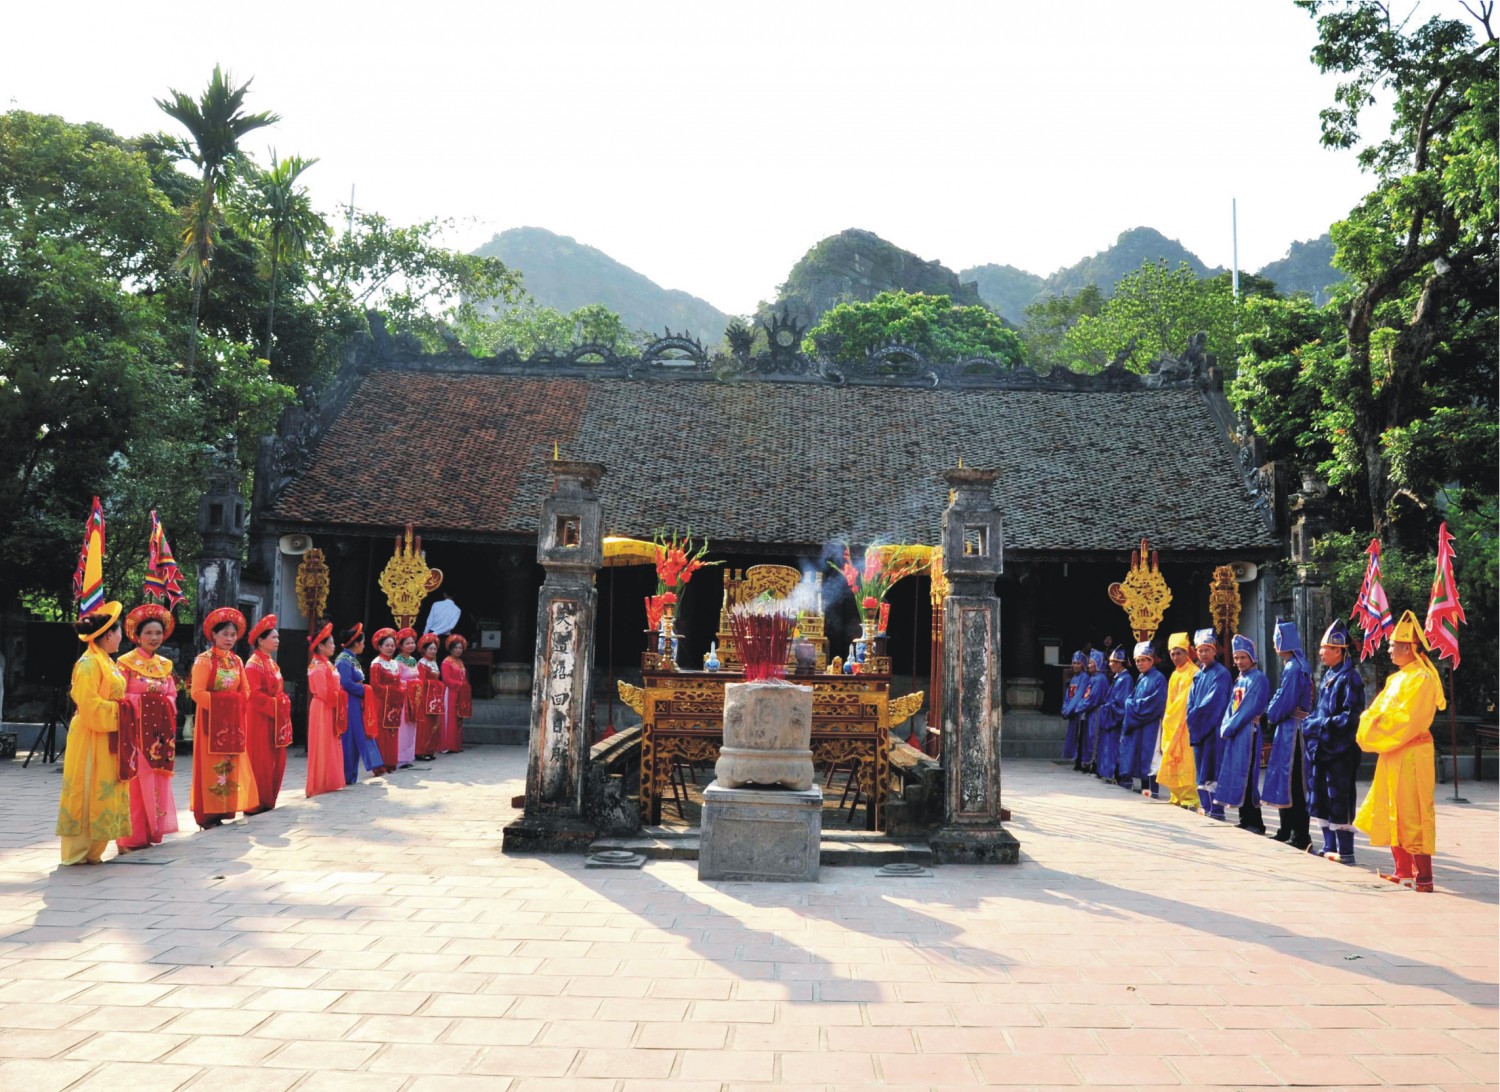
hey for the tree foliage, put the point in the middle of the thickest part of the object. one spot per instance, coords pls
(530, 327)
(930, 324)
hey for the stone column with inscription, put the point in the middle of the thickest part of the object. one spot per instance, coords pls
(570, 548)
(972, 831)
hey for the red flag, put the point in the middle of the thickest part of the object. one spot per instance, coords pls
(1372, 610)
(163, 578)
(1444, 612)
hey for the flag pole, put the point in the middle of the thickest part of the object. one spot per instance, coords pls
(1453, 738)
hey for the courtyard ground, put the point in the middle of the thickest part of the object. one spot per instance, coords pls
(377, 939)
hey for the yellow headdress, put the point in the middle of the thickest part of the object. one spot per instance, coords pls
(1409, 631)
(1177, 640)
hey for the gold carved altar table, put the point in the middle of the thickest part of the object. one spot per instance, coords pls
(683, 721)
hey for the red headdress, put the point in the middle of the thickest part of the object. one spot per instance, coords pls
(149, 612)
(403, 633)
(428, 639)
(322, 634)
(217, 618)
(355, 634)
(381, 635)
(455, 639)
(266, 623)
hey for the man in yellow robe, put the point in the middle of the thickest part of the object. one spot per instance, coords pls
(1399, 810)
(1178, 772)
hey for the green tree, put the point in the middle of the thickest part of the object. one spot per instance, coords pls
(1420, 250)
(1049, 320)
(273, 206)
(929, 324)
(531, 327)
(421, 286)
(82, 358)
(1154, 310)
(216, 123)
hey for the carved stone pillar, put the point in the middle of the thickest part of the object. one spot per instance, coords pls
(972, 831)
(570, 548)
(1312, 602)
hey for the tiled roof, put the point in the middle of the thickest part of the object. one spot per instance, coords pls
(779, 463)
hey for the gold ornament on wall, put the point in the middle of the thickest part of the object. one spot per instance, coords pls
(1143, 593)
(1224, 603)
(406, 579)
(312, 586)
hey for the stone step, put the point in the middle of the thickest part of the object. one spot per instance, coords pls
(861, 849)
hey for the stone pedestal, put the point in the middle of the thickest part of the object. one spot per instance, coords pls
(1024, 694)
(760, 834)
(767, 736)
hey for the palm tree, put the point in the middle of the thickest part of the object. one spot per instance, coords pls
(215, 123)
(279, 211)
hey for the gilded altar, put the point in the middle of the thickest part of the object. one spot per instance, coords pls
(682, 715)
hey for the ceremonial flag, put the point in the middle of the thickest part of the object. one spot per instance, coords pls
(88, 577)
(1372, 610)
(163, 578)
(1444, 612)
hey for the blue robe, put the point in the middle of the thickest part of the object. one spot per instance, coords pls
(1293, 693)
(1111, 717)
(1208, 697)
(1094, 693)
(1328, 736)
(1071, 695)
(357, 745)
(1239, 740)
(1143, 710)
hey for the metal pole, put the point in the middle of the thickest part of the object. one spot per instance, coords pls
(1453, 739)
(1233, 227)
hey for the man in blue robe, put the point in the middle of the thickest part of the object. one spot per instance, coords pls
(1071, 693)
(1328, 735)
(1284, 784)
(1208, 697)
(1112, 718)
(1239, 738)
(1095, 690)
(1143, 710)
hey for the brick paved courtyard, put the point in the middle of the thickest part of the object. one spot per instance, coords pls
(376, 939)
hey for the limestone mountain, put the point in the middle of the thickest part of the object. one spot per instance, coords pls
(1003, 287)
(563, 273)
(1307, 267)
(857, 265)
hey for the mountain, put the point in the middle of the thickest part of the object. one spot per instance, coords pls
(565, 274)
(859, 265)
(1003, 286)
(1307, 267)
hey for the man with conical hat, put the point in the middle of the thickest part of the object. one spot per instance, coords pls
(1143, 712)
(1399, 810)
(1328, 737)
(1240, 735)
(1176, 771)
(1072, 692)
(1208, 697)
(1284, 784)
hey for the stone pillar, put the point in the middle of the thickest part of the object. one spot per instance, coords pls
(221, 523)
(571, 550)
(972, 831)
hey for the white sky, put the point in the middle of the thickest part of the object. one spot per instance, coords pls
(708, 144)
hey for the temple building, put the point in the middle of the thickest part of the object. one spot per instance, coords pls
(774, 458)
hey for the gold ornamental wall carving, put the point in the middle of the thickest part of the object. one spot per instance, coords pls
(406, 579)
(1143, 594)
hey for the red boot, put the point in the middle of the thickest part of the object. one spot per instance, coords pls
(1423, 878)
(1404, 866)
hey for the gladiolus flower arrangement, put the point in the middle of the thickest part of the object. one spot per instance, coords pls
(677, 559)
(762, 633)
(883, 567)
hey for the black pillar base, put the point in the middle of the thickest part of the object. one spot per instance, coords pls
(545, 834)
(962, 845)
